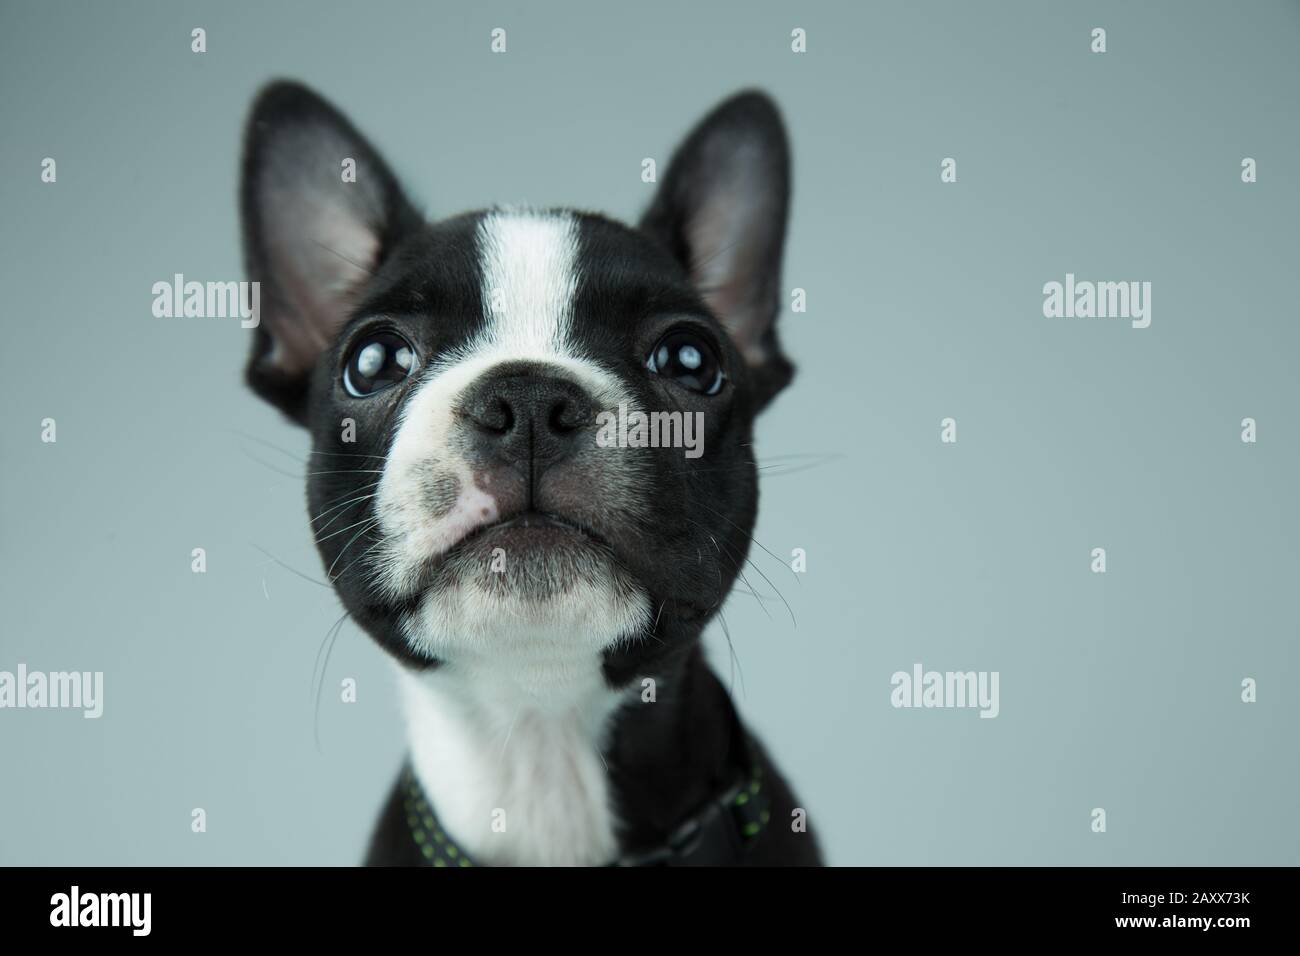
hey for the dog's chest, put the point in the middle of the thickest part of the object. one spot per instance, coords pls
(509, 756)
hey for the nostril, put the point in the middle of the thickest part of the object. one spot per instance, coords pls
(566, 416)
(557, 420)
(506, 416)
(494, 415)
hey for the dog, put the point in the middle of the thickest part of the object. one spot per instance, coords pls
(540, 579)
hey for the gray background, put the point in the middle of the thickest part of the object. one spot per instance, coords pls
(924, 301)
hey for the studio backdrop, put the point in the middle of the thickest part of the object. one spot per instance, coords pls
(1023, 584)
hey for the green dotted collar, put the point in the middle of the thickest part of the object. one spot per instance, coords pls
(718, 835)
(435, 846)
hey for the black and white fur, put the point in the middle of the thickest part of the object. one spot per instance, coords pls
(522, 686)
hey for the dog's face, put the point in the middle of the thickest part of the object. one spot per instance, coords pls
(471, 489)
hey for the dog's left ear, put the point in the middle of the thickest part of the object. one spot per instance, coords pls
(321, 211)
(722, 210)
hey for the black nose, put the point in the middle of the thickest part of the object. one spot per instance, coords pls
(527, 416)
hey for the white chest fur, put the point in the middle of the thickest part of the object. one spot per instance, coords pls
(508, 753)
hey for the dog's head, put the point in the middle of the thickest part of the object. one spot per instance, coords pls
(480, 481)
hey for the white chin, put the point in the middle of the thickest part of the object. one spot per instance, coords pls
(478, 616)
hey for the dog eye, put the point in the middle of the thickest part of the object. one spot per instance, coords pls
(376, 362)
(688, 360)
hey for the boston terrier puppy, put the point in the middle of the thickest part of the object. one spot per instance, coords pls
(487, 500)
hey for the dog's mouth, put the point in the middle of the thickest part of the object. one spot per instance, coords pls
(529, 529)
(528, 549)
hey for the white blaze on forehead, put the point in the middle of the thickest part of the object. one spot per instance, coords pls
(529, 264)
(530, 274)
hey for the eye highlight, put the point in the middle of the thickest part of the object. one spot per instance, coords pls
(377, 362)
(689, 360)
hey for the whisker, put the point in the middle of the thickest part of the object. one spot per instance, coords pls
(330, 573)
(348, 502)
(734, 657)
(346, 454)
(344, 530)
(788, 608)
(749, 588)
(751, 563)
(362, 487)
(754, 594)
(348, 471)
(267, 464)
(293, 570)
(748, 535)
(803, 454)
(360, 557)
(328, 646)
(354, 501)
(268, 444)
(310, 451)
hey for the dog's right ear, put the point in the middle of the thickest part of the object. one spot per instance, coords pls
(320, 212)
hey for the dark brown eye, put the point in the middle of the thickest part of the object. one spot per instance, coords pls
(377, 362)
(688, 360)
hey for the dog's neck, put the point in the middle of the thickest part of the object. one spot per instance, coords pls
(541, 763)
(511, 761)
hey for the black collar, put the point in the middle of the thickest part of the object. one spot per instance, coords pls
(719, 834)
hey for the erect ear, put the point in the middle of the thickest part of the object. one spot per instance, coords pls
(313, 232)
(722, 210)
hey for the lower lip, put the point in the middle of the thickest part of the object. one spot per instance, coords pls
(533, 529)
(534, 519)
